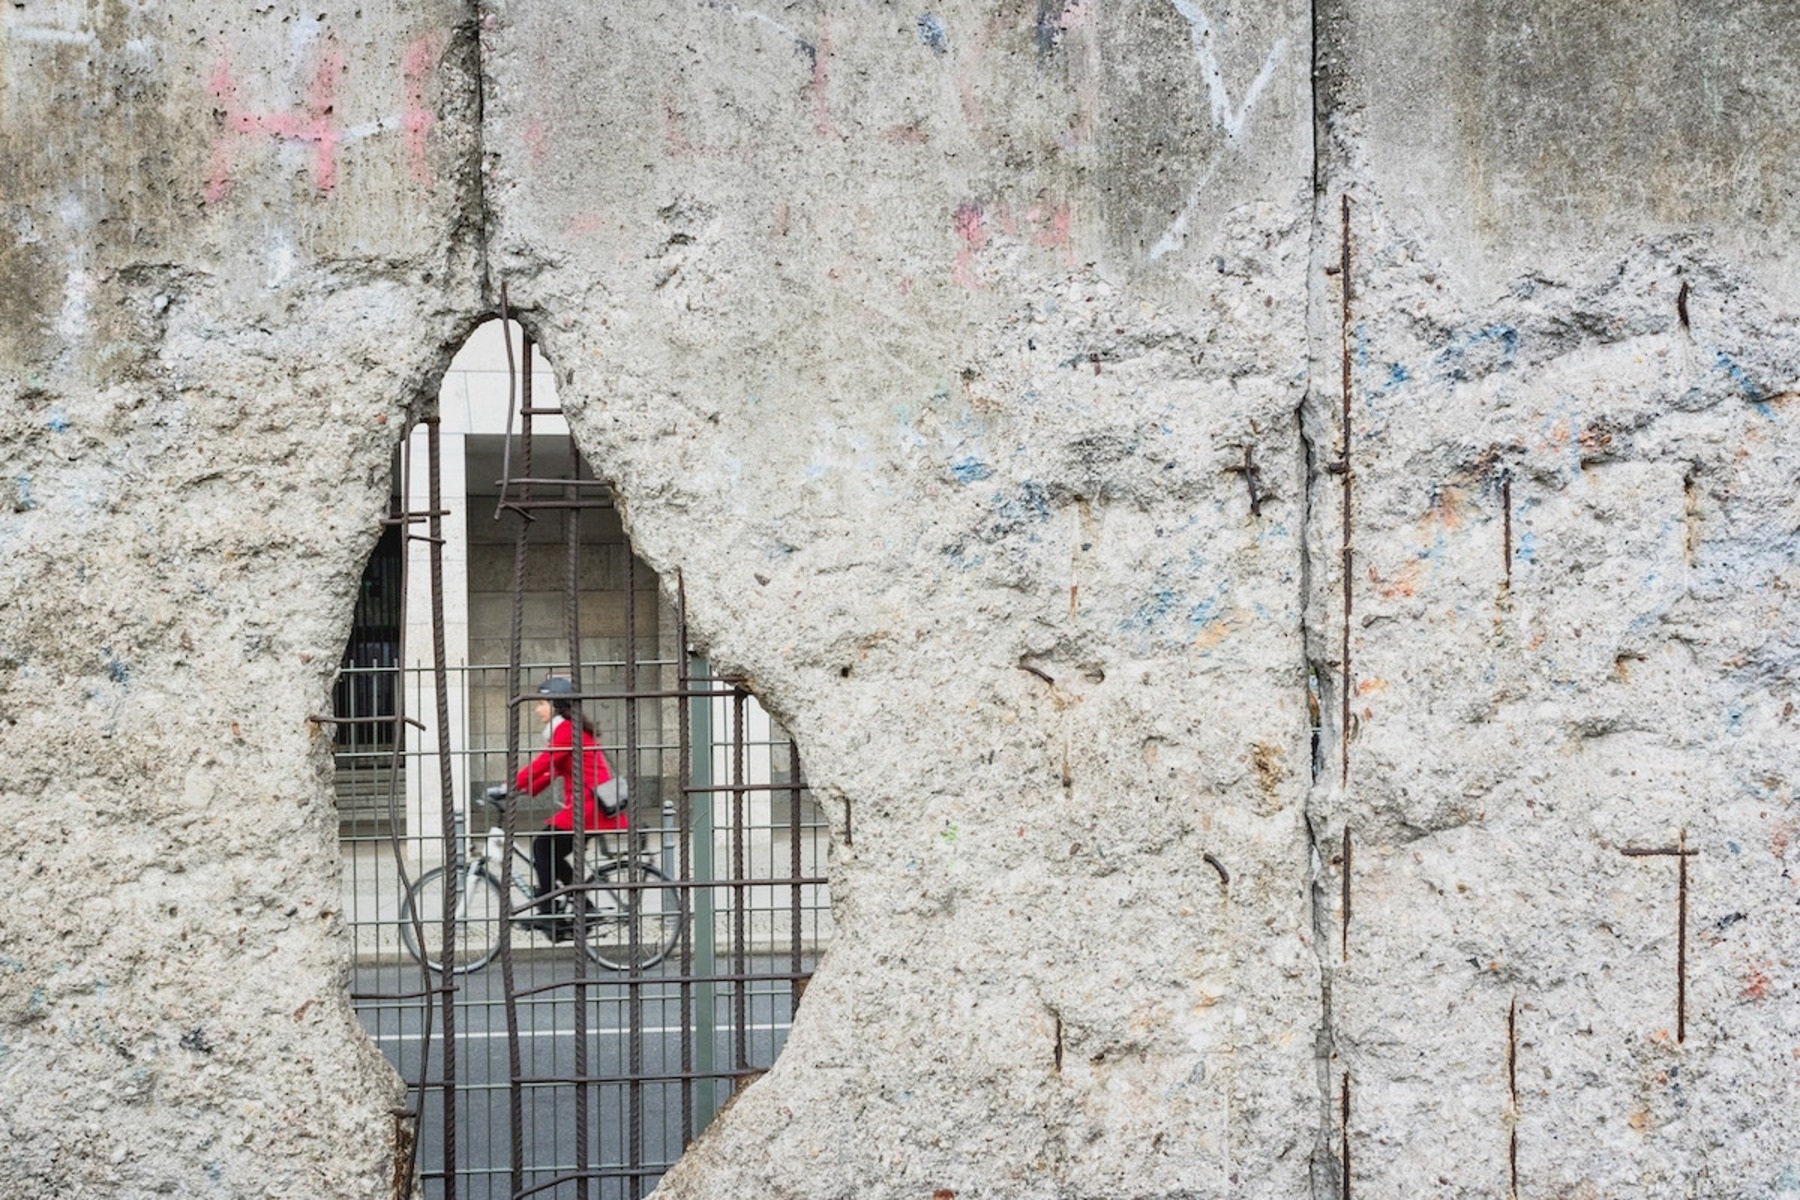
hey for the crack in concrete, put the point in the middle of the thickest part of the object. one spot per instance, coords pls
(1328, 1169)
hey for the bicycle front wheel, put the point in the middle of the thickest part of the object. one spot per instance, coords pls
(475, 912)
(631, 922)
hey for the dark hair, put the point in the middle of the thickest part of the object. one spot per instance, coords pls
(566, 710)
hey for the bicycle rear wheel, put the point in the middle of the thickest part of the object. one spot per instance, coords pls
(630, 921)
(476, 909)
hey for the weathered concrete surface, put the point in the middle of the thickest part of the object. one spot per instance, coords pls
(1518, 138)
(224, 272)
(1563, 333)
(923, 347)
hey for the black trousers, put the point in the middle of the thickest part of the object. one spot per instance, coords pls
(551, 854)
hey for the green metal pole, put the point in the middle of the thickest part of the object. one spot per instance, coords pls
(705, 1015)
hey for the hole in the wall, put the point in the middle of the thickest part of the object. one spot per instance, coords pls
(667, 970)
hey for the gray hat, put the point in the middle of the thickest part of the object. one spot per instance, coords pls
(556, 685)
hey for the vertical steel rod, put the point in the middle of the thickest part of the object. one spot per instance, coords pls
(578, 811)
(1345, 884)
(686, 798)
(514, 680)
(395, 763)
(1506, 533)
(704, 842)
(1681, 945)
(447, 793)
(1344, 463)
(740, 939)
(1344, 1134)
(794, 868)
(634, 900)
(1512, 1087)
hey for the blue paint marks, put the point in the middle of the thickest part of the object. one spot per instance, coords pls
(57, 421)
(961, 558)
(118, 671)
(1745, 384)
(969, 469)
(933, 34)
(1397, 375)
(1735, 848)
(1734, 720)
(1527, 548)
(1150, 613)
(1168, 605)
(22, 497)
(1034, 501)
(1200, 615)
(39, 1004)
(1453, 360)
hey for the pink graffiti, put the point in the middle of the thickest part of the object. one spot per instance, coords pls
(317, 126)
(971, 226)
(1055, 231)
(416, 122)
(1051, 229)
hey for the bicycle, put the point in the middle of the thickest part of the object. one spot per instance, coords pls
(631, 917)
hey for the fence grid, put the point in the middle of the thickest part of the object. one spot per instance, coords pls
(540, 1064)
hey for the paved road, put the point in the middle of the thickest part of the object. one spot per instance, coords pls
(547, 1046)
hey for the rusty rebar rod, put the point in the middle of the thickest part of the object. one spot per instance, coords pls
(684, 723)
(509, 815)
(795, 870)
(740, 1000)
(1344, 883)
(440, 679)
(577, 801)
(395, 751)
(1344, 1134)
(1347, 475)
(1681, 854)
(634, 898)
(1512, 1087)
(1506, 530)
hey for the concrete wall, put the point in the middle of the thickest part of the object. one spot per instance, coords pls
(930, 348)
(1571, 326)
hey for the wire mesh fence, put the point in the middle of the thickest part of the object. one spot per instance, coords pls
(569, 1006)
(740, 913)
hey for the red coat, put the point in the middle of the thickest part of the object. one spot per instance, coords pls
(559, 763)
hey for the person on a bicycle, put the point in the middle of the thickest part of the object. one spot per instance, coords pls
(551, 850)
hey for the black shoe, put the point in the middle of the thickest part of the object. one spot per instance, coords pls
(557, 929)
